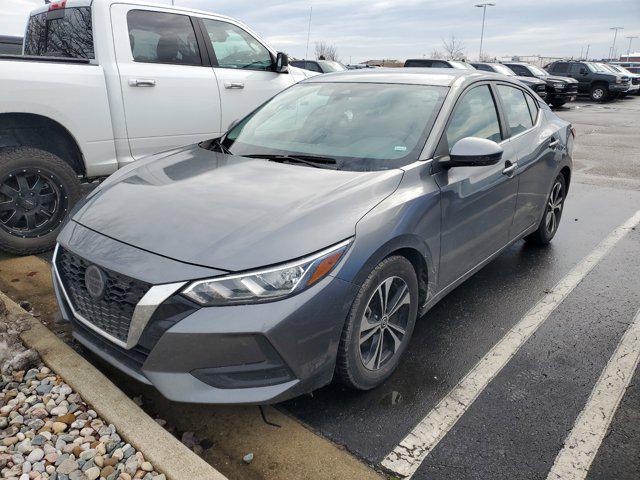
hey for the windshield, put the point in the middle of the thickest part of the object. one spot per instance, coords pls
(363, 126)
(331, 66)
(538, 70)
(499, 68)
(597, 67)
(465, 65)
(620, 69)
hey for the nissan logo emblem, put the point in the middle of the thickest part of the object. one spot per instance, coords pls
(95, 281)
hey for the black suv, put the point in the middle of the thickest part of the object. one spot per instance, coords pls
(535, 84)
(437, 63)
(560, 90)
(593, 78)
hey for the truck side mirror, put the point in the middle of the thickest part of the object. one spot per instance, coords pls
(282, 63)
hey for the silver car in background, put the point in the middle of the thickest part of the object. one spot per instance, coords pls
(304, 244)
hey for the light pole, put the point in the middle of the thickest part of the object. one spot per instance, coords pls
(484, 13)
(306, 55)
(630, 37)
(615, 36)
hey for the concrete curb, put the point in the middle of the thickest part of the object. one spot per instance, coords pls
(163, 450)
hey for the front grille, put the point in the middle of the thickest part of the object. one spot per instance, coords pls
(112, 313)
(572, 88)
(541, 88)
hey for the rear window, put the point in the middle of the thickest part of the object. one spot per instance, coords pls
(66, 33)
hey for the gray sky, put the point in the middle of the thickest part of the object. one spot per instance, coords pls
(366, 29)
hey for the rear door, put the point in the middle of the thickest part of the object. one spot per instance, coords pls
(243, 66)
(169, 91)
(535, 147)
(478, 203)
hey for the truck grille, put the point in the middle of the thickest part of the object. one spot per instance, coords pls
(572, 88)
(112, 313)
(540, 88)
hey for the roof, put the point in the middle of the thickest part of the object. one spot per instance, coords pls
(445, 77)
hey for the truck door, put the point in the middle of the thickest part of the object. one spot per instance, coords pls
(243, 67)
(169, 90)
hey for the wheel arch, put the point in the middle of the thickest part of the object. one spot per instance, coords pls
(38, 131)
(566, 173)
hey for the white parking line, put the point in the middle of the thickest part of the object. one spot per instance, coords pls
(407, 456)
(582, 444)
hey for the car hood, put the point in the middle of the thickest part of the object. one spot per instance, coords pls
(530, 80)
(232, 213)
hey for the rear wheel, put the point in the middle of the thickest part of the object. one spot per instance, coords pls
(599, 93)
(552, 214)
(37, 189)
(379, 325)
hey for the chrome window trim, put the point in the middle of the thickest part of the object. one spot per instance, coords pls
(142, 313)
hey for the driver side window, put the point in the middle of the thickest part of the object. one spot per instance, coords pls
(235, 48)
(475, 115)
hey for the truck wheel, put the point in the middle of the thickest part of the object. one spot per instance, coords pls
(37, 189)
(558, 102)
(599, 93)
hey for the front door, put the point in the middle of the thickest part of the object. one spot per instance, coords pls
(477, 202)
(244, 69)
(170, 96)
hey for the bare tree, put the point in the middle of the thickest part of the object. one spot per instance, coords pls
(436, 54)
(326, 51)
(453, 48)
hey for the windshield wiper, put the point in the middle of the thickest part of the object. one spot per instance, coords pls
(217, 143)
(310, 160)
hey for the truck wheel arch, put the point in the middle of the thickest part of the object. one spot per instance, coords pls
(31, 130)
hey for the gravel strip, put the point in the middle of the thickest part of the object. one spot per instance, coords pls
(46, 429)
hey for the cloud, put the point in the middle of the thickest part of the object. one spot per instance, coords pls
(364, 29)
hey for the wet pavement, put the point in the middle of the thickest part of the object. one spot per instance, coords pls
(519, 422)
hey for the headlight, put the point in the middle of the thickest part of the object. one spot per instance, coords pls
(618, 80)
(558, 85)
(269, 284)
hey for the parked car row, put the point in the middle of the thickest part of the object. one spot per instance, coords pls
(559, 82)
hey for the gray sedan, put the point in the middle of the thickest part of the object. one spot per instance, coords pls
(303, 245)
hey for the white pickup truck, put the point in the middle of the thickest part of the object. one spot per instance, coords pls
(105, 82)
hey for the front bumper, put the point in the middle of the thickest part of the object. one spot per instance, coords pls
(633, 89)
(243, 354)
(618, 87)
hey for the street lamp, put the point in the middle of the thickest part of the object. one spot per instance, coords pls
(615, 35)
(484, 13)
(630, 37)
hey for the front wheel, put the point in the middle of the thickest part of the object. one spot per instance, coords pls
(37, 189)
(379, 325)
(556, 102)
(552, 213)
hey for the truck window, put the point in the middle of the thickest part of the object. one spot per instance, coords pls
(157, 37)
(560, 67)
(235, 48)
(64, 33)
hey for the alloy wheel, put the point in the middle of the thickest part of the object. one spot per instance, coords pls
(554, 207)
(384, 323)
(598, 93)
(31, 203)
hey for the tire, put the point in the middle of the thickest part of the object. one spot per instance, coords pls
(37, 190)
(553, 209)
(558, 103)
(357, 365)
(599, 93)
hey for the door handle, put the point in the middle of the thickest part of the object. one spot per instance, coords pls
(238, 85)
(141, 82)
(553, 143)
(510, 168)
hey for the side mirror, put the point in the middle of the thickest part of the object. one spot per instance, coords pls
(473, 152)
(282, 63)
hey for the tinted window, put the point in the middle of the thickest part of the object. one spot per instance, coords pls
(533, 107)
(235, 48)
(475, 115)
(157, 37)
(417, 63)
(560, 67)
(61, 33)
(516, 109)
(313, 66)
(482, 66)
(520, 70)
